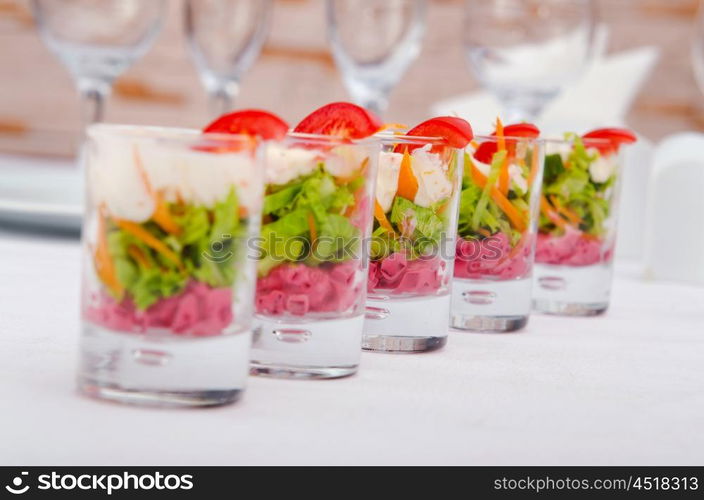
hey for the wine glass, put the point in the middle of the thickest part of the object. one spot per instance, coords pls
(526, 51)
(697, 46)
(373, 43)
(97, 41)
(225, 37)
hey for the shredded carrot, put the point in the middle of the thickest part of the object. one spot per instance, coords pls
(565, 212)
(146, 237)
(550, 213)
(533, 167)
(161, 214)
(484, 232)
(393, 126)
(380, 216)
(407, 182)
(137, 254)
(104, 265)
(501, 146)
(311, 227)
(514, 215)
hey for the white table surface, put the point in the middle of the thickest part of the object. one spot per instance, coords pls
(626, 388)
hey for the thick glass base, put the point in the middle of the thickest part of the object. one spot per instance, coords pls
(496, 324)
(163, 399)
(308, 350)
(300, 372)
(572, 290)
(161, 368)
(490, 306)
(569, 308)
(416, 324)
(390, 343)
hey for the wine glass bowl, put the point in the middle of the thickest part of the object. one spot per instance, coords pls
(225, 37)
(98, 41)
(526, 51)
(373, 43)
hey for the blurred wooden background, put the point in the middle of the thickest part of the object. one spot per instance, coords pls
(39, 110)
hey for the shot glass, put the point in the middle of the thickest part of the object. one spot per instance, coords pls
(491, 290)
(412, 250)
(168, 282)
(577, 231)
(313, 257)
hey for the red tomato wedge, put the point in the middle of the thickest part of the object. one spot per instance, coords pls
(340, 119)
(527, 130)
(456, 132)
(616, 136)
(254, 122)
(486, 150)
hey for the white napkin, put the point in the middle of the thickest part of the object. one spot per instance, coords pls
(675, 236)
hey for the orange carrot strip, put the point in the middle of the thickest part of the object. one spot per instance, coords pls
(533, 167)
(163, 218)
(134, 252)
(549, 212)
(501, 146)
(380, 216)
(566, 212)
(104, 265)
(514, 215)
(161, 214)
(407, 182)
(311, 227)
(146, 237)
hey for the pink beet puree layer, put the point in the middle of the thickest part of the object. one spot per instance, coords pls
(399, 275)
(570, 249)
(492, 256)
(298, 289)
(199, 310)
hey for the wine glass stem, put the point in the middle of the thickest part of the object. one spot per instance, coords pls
(93, 103)
(222, 98)
(518, 107)
(375, 100)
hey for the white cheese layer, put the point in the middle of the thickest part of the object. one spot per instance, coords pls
(125, 173)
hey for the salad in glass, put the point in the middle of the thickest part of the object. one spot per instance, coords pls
(312, 262)
(168, 215)
(578, 221)
(415, 219)
(496, 229)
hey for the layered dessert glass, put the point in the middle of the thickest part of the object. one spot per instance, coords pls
(577, 231)
(495, 245)
(412, 249)
(167, 296)
(313, 256)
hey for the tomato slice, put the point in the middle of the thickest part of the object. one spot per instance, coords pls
(486, 150)
(456, 132)
(527, 130)
(254, 122)
(340, 119)
(615, 136)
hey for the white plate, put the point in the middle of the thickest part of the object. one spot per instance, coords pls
(43, 193)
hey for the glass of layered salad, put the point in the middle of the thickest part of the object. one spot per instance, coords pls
(168, 288)
(313, 261)
(412, 248)
(496, 230)
(578, 215)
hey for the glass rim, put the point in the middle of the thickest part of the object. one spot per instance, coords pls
(587, 141)
(325, 139)
(162, 133)
(386, 138)
(516, 138)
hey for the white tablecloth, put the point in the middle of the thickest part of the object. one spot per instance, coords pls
(626, 388)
